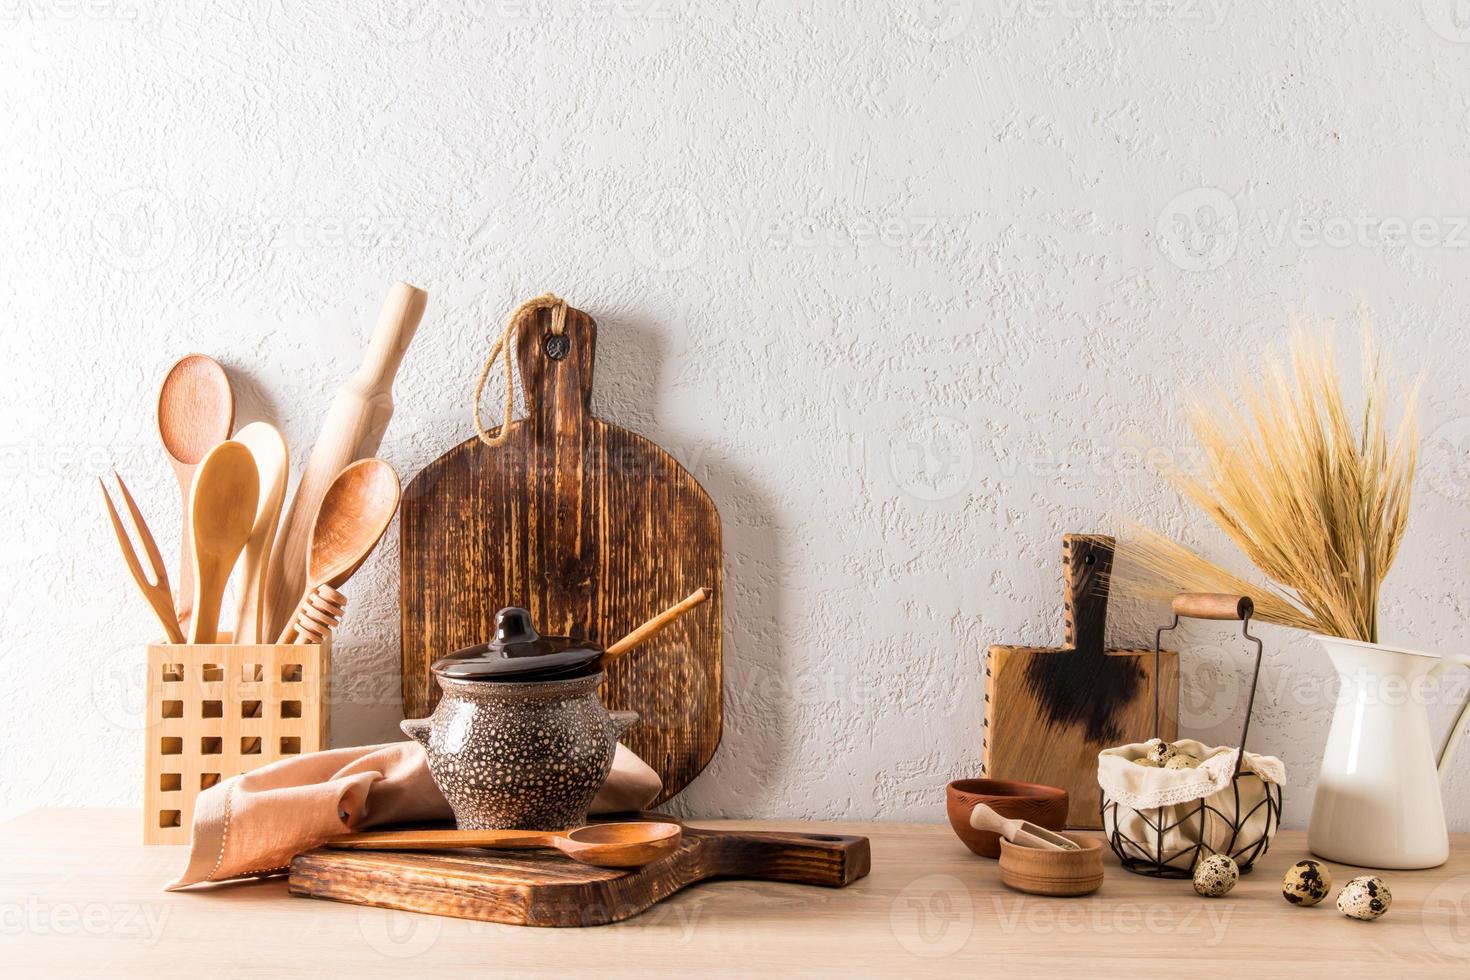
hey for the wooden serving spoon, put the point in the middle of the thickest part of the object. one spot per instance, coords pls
(222, 507)
(603, 845)
(268, 447)
(1022, 833)
(196, 411)
(356, 510)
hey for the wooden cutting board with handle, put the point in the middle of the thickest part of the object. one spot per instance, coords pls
(592, 528)
(1051, 710)
(544, 888)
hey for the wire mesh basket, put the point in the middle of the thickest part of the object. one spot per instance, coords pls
(1238, 820)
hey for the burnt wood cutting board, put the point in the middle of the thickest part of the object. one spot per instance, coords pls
(1050, 711)
(544, 888)
(592, 528)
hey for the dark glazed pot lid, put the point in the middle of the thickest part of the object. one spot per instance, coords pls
(518, 653)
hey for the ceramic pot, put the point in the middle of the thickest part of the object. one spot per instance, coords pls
(520, 756)
(1378, 803)
(1045, 806)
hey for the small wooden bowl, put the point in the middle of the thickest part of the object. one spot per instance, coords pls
(1054, 873)
(1045, 806)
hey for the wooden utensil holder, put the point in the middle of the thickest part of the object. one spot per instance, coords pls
(217, 710)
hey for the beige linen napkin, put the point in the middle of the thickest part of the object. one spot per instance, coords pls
(255, 823)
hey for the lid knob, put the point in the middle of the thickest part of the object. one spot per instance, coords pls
(513, 625)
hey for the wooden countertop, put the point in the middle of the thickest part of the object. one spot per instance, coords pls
(80, 896)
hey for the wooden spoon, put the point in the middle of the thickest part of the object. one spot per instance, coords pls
(1022, 833)
(268, 447)
(196, 411)
(222, 507)
(356, 510)
(604, 845)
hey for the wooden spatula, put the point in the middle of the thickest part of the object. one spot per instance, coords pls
(268, 446)
(222, 506)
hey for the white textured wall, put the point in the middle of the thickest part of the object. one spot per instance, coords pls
(899, 282)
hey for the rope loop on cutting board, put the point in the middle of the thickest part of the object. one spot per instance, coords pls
(558, 307)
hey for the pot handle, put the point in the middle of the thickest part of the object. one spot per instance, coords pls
(1447, 749)
(622, 721)
(416, 729)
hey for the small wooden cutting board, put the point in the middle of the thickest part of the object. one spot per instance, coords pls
(544, 888)
(1051, 710)
(592, 528)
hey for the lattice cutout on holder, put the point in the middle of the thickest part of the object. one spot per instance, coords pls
(218, 710)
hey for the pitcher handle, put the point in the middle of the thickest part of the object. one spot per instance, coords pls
(1447, 749)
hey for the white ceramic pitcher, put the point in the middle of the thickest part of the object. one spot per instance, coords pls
(1378, 803)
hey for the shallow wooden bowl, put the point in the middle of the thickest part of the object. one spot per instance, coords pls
(1055, 873)
(1045, 806)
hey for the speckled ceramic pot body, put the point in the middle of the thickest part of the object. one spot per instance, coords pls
(520, 756)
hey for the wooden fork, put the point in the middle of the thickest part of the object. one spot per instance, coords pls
(157, 592)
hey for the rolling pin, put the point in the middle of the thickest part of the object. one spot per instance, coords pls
(352, 430)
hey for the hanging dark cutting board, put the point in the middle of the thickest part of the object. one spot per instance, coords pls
(1050, 711)
(592, 528)
(543, 888)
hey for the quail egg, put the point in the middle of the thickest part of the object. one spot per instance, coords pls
(1182, 761)
(1160, 752)
(1364, 898)
(1306, 883)
(1146, 762)
(1215, 875)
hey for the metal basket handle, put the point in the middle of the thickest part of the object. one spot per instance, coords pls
(1219, 606)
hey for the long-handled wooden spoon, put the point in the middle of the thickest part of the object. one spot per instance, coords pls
(354, 513)
(1022, 833)
(268, 446)
(655, 625)
(222, 507)
(196, 411)
(604, 845)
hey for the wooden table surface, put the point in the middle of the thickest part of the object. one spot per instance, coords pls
(80, 896)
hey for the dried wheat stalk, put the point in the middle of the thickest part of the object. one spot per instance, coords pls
(1317, 505)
